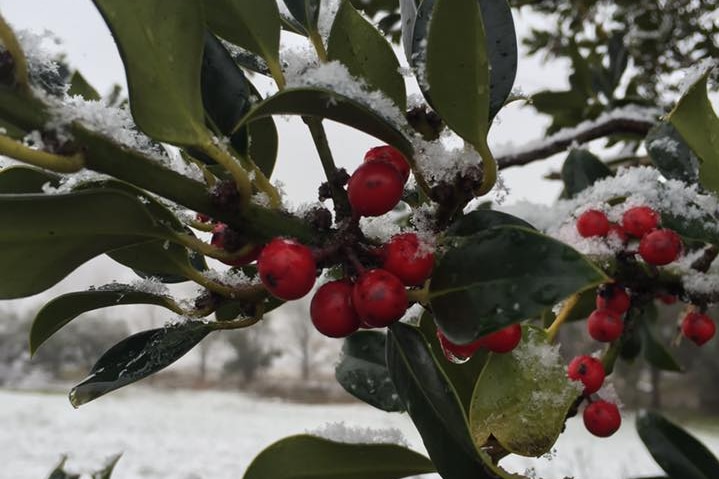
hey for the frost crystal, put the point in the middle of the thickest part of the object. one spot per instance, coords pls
(340, 432)
(150, 286)
(232, 277)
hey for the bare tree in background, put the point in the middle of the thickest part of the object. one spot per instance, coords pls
(303, 342)
(253, 352)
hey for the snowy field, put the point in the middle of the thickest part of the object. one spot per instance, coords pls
(214, 435)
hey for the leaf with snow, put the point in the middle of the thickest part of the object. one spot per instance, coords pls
(161, 47)
(457, 68)
(310, 457)
(366, 53)
(59, 312)
(251, 24)
(522, 398)
(325, 103)
(670, 153)
(696, 121)
(137, 357)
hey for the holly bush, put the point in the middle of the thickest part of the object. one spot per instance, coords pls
(450, 310)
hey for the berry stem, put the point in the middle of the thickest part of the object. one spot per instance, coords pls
(42, 159)
(420, 296)
(250, 292)
(9, 40)
(196, 244)
(231, 164)
(319, 45)
(561, 318)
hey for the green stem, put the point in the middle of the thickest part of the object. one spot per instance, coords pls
(231, 164)
(277, 75)
(196, 244)
(42, 159)
(489, 169)
(236, 324)
(8, 38)
(250, 292)
(319, 45)
(561, 318)
(420, 296)
(319, 136)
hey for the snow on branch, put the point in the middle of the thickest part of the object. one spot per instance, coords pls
(628, 119)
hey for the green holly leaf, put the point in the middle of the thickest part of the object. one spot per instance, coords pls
(522, 398)
(366, 53)
(502, 276)
(696, 121)
(580, 170)
(310, 457)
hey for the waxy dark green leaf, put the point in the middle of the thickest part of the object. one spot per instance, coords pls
(366, 53)
(60, 311)
(333, 106)
(580, 170)
(502, 276)
(137, 357)
(433, 405)
(161, 45)
(311, 457)
(479, 220)
(522, 398)
(457, 67)
(362, 371)
(679, 453)
(305, 12)
(24, 179)
(655, 351)
(252, 24)
(670, 153)
(54, 234)
(697, 123)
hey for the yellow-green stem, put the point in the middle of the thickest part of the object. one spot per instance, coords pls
(196, 244)
(42, 159)
(263, 185)
(489, 169)
(236, 324)
(319, 45)
(420, 296)
(561, 318)
(12, 45)
(249, 292)
(231, 164)
(276, 73)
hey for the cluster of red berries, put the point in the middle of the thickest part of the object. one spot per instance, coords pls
(377, 297)
(502, 341)
(657, 246)
(601, 417)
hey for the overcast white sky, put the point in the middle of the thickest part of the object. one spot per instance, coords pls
(90, 48)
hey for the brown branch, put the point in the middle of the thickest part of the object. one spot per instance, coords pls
(563, 141)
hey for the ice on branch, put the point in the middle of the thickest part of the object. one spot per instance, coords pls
(42, 63)
(340, 432)
(234, 278)
(150, 285)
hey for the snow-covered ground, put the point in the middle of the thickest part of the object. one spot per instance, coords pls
(214, 435)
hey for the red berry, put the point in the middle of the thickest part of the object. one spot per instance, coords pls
(457, 353)
(504, 340)
(589, 370)
(592, 223)
(331, 310)
(602, 418)
(605, 325)
(202, 218)
(667, 298)
(374, 188)
(405, 259)
(287, 268)
(391, 155)
(660, 247)
(379, 298)
(225, 238)
(614, 297)
(698, 327)
(639, 220)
